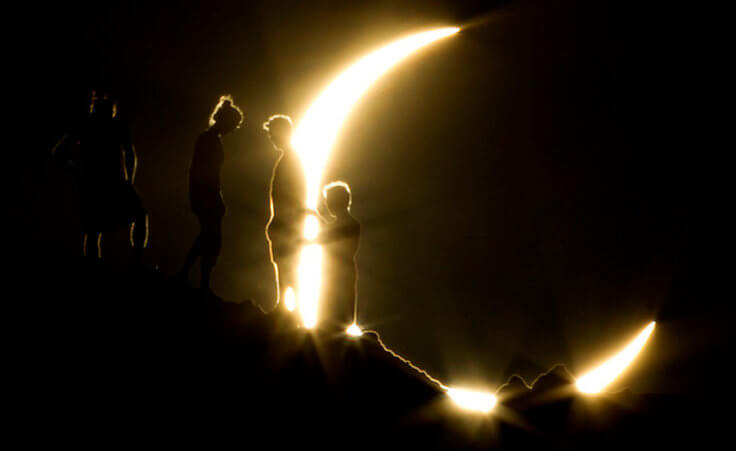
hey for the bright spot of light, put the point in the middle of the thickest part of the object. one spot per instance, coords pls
(290, 299)
(309, 282)
(473, 400)
(316, 132)
(311, 227)
(354, 330)
(596, 380)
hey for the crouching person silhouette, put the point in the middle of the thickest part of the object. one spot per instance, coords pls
(205, 197)
(102, 153)
(340, 238)
(287, 195)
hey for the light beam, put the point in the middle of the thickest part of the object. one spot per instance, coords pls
(597, 379)
(316, 133)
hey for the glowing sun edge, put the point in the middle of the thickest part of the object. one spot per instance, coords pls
(315, 134)
(472, 400)
(597, 379)
(313, 140)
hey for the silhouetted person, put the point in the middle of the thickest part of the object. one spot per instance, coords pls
(104, 157)
(205, 197)
(288, 193)
(340, 239)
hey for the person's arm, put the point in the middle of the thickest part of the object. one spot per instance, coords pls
(335, 233)
(65, 152)
(323, 218)
(63, 148)
(130, 158)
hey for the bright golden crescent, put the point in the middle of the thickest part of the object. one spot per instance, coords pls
(313, 140)
(316, 133)
(596, 380)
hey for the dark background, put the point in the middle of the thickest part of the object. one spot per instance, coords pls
(531, 190)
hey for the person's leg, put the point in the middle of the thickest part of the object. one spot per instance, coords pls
(287, 275)
(139, 235)
(279, 298)
(212, 243)
(85, 239)
(194, 253)
(90, 239)
(99, 246)
(285, 282)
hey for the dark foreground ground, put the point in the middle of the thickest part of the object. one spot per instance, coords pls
(103, 355)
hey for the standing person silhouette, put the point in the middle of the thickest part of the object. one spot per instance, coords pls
(340, 239)
(104, 157)
(287, 195)
(205, 197)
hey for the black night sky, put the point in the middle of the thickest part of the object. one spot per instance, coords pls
(527, 192)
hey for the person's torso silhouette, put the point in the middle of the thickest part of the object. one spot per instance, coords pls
(288, 194)
(340, 240)
(205, 175)
(100, 143)
(287, 197)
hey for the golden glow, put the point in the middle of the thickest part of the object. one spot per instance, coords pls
(310, 264)
(473, 400)
(290, 299)
(596, 380)
(317, 131)
(311, 227)
(354, 330)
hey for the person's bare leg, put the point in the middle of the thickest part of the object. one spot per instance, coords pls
(99, 246)
(194, 253)
(139, 236)
(207, 265)
(211, 244)
(279, 298)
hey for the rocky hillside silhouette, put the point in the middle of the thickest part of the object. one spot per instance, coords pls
(105, 355)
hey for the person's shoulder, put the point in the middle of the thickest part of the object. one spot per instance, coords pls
(206, 134)
(207, 138)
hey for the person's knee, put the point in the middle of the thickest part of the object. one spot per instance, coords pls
(209, 260)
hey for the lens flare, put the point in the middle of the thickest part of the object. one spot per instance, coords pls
(290, 299)
(317, 131)
(597, 379)
(472, 400)
(354, 330)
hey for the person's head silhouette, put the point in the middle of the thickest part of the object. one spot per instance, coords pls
(279, 128)
(226, 116)
(102, 105)
(337, 198)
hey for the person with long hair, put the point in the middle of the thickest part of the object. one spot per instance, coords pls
(104, 158)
